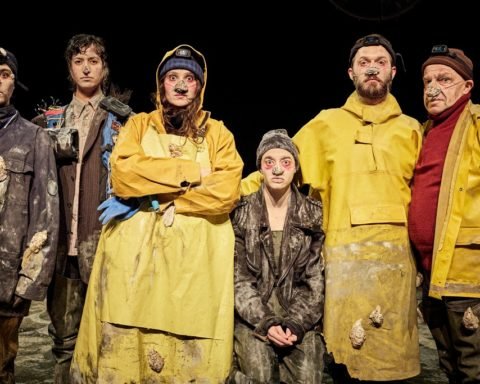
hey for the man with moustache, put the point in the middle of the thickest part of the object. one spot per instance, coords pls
(444, 219)
(359, 159)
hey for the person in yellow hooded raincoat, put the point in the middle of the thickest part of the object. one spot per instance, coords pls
(359, 159)
(159, 306)
(444, 219)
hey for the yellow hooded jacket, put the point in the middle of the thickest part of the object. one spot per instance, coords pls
(360, 160)
(170, 288)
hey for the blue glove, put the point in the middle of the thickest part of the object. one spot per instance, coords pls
(118, 208)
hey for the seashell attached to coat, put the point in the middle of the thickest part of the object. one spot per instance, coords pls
(3, 169)
(357, 334)
(470, 320)
(376, 317)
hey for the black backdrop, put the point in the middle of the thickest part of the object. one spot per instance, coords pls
(268, 66)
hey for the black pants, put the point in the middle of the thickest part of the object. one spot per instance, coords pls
(65, 300)
(458, 348)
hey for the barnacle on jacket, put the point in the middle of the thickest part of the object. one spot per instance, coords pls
(3, 169)
(155, 361)
(470, 320)
(357, 334)
(376, 316)
(3, 182)
(37, 241)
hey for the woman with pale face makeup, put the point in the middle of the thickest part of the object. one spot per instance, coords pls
(160, 299)
(278, 274)
(444, 218)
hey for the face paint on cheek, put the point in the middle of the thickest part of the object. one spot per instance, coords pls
(268, 166)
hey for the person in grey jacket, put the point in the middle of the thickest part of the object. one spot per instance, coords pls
(279, 284)
(28, 215)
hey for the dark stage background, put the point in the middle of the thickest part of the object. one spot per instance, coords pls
(274, 68)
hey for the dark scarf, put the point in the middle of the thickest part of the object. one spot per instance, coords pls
(6, 114)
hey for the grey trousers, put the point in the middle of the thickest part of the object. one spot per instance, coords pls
(256, 361)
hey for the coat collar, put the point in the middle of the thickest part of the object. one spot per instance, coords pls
(377, 114)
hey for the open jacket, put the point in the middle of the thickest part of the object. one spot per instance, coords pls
(456, 253)
(28, 214)
(92, 190)
(299, 282)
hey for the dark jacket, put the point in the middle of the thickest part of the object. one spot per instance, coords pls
(299, 284)
(92, 193)
(28, 209)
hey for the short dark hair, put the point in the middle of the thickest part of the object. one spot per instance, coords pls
(79, 43)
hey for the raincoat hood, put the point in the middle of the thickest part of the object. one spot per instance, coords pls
(198, 57)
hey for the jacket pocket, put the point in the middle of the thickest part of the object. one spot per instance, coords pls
(467, 236)
(19, 173)
(378, 213)
(9, 267)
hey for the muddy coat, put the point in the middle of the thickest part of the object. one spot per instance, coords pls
(360, 159)
(299, 281)
(28, 209)
(456, 254)
(93, 191)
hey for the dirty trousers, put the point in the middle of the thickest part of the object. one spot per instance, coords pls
(458, 348)
(258, 361)
(65, 302)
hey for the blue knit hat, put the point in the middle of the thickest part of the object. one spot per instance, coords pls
(183, 59)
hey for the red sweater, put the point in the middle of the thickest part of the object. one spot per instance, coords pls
(427, 179)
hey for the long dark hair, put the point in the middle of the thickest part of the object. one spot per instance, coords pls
(182, 121)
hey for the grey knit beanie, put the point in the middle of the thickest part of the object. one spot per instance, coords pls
(277, 138)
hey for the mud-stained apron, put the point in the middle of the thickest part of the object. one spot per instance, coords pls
(173, 285)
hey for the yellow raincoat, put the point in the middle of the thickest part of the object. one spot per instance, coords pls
(360, 159)
(159, 306)
(456, 262)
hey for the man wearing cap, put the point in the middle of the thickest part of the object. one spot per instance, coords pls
(444, 218)
(28, 215)
(279, 282)
(359, 160)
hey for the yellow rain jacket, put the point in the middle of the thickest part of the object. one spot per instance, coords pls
(170, 289)
(360, 160)
(456, 260)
